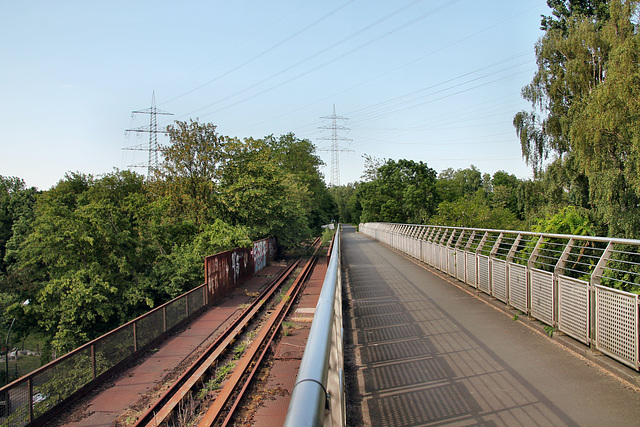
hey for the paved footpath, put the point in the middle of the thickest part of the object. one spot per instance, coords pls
(430, 352)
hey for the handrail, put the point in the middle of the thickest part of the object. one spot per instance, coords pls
(587, 287)
(602, 239)
(310, 395)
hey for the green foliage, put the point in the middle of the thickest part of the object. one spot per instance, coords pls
(564, 10)
(94, 252)
(239, 349)
(181, 269)
(549, 330)
(568, 220)
(401, 191)
(287, 327)
(327, 235)
(347, 203)
(190, 173)
(456, 184)
(214, 383)
(81, 257)
(474, 213)
(585, 107)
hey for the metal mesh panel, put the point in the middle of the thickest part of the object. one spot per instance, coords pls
(471, 270)
(176, 312)
(415, 248)
(436, 256)
(113, 348)
(483, 273)
(499, 279)
(573, 308)
(616, 324)
(542, 295)
(444, 253)
(452, 262)
(425, 252)
(61, 380)
(430, 252)
(149, 328)
(518, 286)
(15, 406)
(460, 264)
(196, 301)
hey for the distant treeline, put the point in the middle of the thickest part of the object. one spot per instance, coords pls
(94, 252)
(581, 138)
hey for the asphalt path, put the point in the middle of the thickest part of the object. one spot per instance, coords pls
(429, 351)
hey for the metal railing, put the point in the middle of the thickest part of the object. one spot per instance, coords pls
(33, 397)
(320, 385)
(30, 397)
(584, 286)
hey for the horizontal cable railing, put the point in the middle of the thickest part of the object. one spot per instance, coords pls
(584, 286)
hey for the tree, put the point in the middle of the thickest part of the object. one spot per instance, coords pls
(505, 186)
(298, 158)
(16, 215)
(474, 213)
(584, 98)
(86, 265)
(181, 269)
(461, 183)
(564, 10)
(190, 172)
(401, 191)
(344, 197)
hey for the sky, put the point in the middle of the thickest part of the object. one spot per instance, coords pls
(436, 81)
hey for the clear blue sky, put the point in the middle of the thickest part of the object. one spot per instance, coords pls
(437, 81)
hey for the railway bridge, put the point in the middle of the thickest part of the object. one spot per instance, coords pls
(412, 325)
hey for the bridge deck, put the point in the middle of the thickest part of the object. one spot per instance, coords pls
(431, 352)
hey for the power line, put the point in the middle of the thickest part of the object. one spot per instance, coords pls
(261, 54)
(321, 52)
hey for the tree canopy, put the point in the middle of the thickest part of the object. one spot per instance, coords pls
(94, 252)
(585, 107)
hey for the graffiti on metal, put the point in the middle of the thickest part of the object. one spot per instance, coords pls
(260, 254)
(224, 271)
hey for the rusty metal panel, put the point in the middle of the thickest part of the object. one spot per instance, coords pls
(225, 270)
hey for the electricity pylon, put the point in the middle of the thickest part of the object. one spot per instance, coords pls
(335, 149)
(153, 131)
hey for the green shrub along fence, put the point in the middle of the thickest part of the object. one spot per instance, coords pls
(33, 398)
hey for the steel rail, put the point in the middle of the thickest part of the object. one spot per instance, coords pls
(164, 406)
(250, 362)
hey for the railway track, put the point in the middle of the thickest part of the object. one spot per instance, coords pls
(265, 324)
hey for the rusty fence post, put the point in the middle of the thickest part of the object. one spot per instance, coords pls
(30, 387)
(135, 337)
(93, 360)
(164, 319)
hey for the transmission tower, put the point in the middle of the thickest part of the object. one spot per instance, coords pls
(153, 132)
(335, 148)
